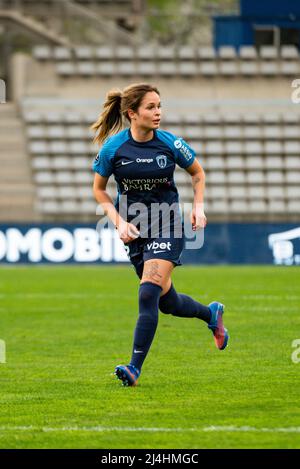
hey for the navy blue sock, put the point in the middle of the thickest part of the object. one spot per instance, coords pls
(147, 322)
(183, 306)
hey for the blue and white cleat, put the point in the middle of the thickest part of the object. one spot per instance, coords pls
(129, 374)
(216, 325)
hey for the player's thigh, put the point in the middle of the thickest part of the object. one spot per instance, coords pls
(158, 271)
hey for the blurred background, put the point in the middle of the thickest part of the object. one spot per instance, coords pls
(227, 72)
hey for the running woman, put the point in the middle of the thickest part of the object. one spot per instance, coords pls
(142, 159)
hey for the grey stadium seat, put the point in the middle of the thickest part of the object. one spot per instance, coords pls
(66, 69)
(62, 53)
(206, 53)
(268, 52)
(42, 52)
(289, 52)
(248, 53)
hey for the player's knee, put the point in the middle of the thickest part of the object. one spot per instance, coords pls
(149, 296)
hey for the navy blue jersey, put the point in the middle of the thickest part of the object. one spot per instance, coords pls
(144, 171)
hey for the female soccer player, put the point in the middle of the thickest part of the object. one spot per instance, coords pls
(142, 159)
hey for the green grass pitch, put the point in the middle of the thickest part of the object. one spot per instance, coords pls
(65, 329)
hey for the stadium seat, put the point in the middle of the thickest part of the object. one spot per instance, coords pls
(256, 191)
(42, 53)
(215, 162)
(274, 177)
(214, 148)
(105, 69)
(234, 148)
(186, 53)
(254, 162)
(208, 68)
(252, 132)
(274, 162)
(271, 118)
(62, 53)
(268, 52)
(49, 206)
(291, 148)
(124, 53)
(36, 132)
(228, 68)
(293, 206)
(269, 68)
(255, 177)
(233, 132)
(167, 69)
(236, 177)
(289, 68)
(273, 148)
(290, 132)
(257, 206)
(188, 69)
(104, 53)
(66, 69)
(206, 53)
(248, 53)
(249, 68)
(271, 132)
(216, 177)
(238, 206)
(289, 52)
(39, 148)
(292, 177)
(235, 162)
(66, 192)
(146, 69)
(55, 132)
(84, 53)
(86, 69)
(41, 162)
(253, 147)
(237, 192)
(292, 162)
(193, 133)
(227, 53)
(44, 177)
(126, 68)
(293, 192)
(46, 192)
(277, 206)
(166, 53)
(146, 53)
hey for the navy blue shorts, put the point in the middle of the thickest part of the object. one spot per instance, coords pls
(143, 249)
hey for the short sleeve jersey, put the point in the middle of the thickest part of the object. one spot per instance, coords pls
(144, 171)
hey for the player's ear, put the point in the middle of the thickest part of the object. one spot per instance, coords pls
(131, 114)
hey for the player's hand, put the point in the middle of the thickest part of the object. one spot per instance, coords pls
(198, 217)
(127, 232)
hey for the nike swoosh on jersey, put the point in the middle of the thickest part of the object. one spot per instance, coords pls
(126, 162)
(156, 252)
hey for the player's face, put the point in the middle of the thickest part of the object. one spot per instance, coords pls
(148, 114)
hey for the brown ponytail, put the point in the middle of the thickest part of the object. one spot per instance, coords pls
(116, 107)
(110, 119)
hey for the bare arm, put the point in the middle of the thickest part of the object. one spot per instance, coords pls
(127, 231)
(198, 218)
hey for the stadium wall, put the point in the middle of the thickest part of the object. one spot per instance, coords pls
(224, 243)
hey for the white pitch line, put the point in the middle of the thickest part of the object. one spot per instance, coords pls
(101, 429)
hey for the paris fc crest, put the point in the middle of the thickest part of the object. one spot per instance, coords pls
(161, 161)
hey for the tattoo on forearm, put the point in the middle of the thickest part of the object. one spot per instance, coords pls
(151, 272)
